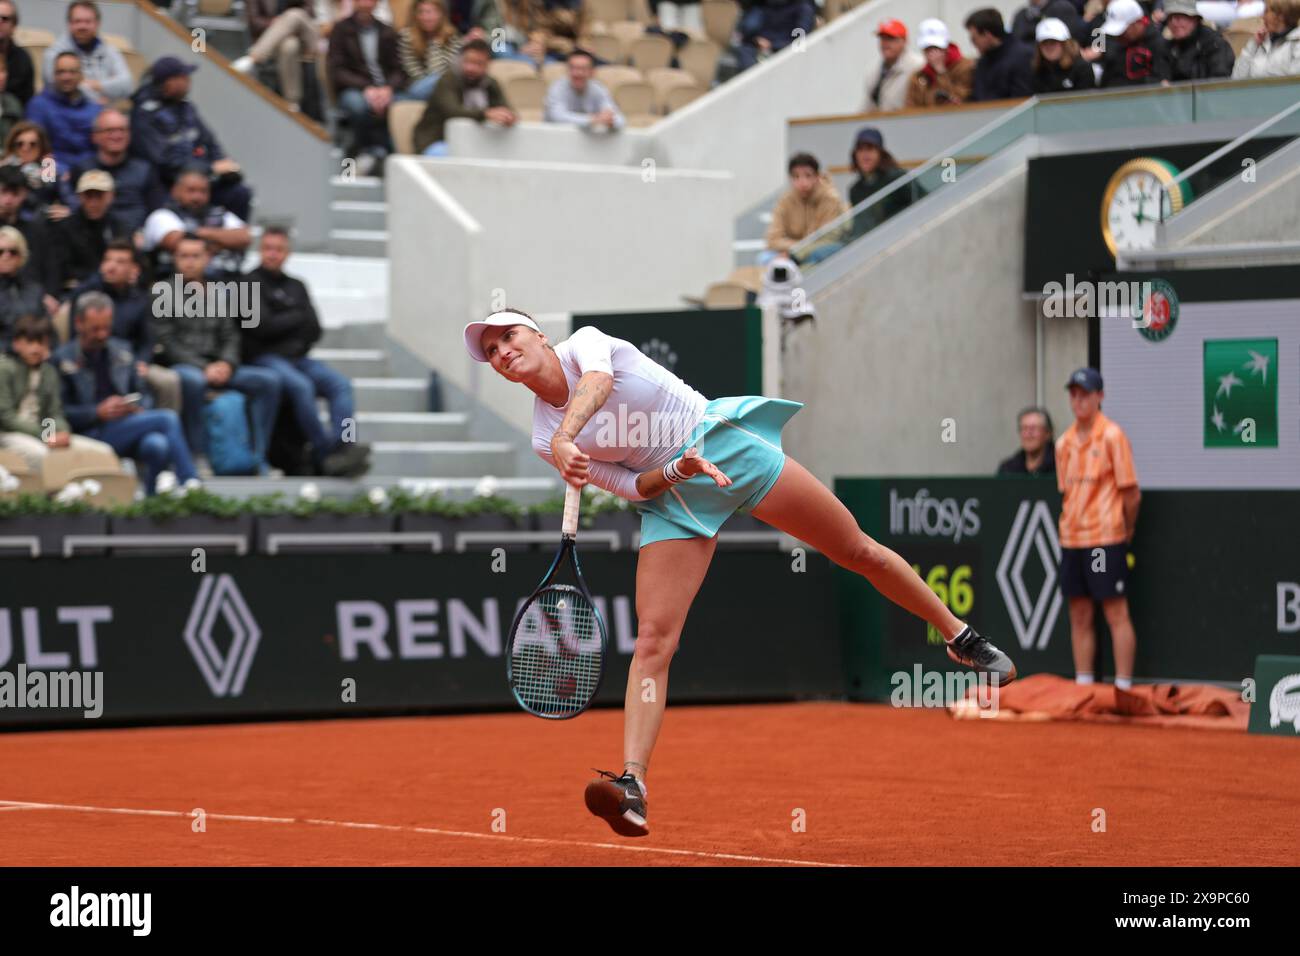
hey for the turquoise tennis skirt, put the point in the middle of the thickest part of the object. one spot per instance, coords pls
(742, 436)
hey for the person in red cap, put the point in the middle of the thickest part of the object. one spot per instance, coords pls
(887, 90)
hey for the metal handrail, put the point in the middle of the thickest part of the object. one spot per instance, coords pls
(464, 538)
(278, 538)
(72, 541)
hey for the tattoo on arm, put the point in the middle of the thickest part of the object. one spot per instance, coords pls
(590, 394)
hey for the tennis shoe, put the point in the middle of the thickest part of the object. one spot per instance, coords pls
(620, 801)
(973, 651)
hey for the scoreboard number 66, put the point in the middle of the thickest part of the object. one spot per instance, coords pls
(954, 590)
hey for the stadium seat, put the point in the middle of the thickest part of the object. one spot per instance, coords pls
(532, 114)
(720, 17)
(665, 79)
(700, 59)
(679, 96)
(401, 12)
(724, 295)
(612, 77)
(16, 465)
(115, 487)
(136, 63)
(635, 99)
(554, 71)
(651, 51)
(526, 93)
(403, 115)
(605, 46)
(33, 36)
(626, 32)
(609, 12)
(503, 71)
(1240, 32)
(37, 52)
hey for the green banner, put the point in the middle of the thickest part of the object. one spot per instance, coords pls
(1276, 707)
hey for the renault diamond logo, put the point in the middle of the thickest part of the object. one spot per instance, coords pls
(1032, 531)
(220, 595)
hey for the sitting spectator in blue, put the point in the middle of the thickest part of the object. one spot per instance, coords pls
(31, 413)
(104, 398)
(189, 212)
(1003, 69)
(876, 169)
(1196, 51)
(465, 91)
(1059, 65)
(20, 294)
(119, 279)
(80, 238)
(167, 132)
(137, 189)
(106, 76)
(580, 100)
(770, 26)
(279, 342)
(204, 350)
(811, 204)
(1037, 454)
(66, 113)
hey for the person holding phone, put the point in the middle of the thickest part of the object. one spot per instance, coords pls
(947, 77)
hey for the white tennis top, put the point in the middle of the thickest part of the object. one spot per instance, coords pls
(649, 415)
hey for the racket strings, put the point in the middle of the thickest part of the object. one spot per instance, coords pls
(556, 655)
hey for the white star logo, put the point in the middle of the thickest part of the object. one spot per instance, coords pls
(1226, 382)
(1258, 363)
(1217, 419)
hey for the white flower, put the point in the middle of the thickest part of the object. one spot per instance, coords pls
(310, 492)
(434, 486)
(91, 487)
(192, 484)
(487, 486)
(378, 497)
(9, 482)
(70, 492)
(4, 472)
(166, 482)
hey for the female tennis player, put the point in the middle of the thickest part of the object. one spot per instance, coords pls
(605, 413)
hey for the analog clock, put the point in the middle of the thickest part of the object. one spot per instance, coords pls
(1131, 206)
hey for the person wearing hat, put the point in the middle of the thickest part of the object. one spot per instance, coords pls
(605, 414)
(1058, 65)
(1002, 71)
(1196, 51)
(81, 238)
(167, 131)
(1024, 25)
(1135, 51)
(876, 169)
(947, 77)
(887, 91)
(137, 190)
(1099, 509)
(66, 113)
(1274, 50)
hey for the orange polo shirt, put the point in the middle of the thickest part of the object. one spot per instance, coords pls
(1091, 470)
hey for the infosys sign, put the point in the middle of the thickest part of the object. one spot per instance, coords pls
(923, 515)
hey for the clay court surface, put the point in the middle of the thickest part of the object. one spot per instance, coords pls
(879, 787)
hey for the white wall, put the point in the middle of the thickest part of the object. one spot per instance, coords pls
(548, 143)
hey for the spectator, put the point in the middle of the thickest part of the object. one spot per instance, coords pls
(428, 48)
(366, 73)
(191, 212)
(1094, 471)
(283, 31)
(11, 107)
(1024, 26)
(38, 256)
(1059, 66)
(1196, 52)
(1037, 454)
(119, 279)
(876, 169)
(561, 22)
(888, 91)
(66, 113)
(168, 133)
(20, 295)
(138, 190)
(28, 148)
(31, 412)
(1135, 51)
(81, 238)
(770, 26)
(464, 91)
(105, 74)
(1275, 48)
(1004, 64)
(204, 350)
(947, 77)
(279, 343)
(18, 62)
(99, 374)
(682, 15)
(579, 100)
(811, 203)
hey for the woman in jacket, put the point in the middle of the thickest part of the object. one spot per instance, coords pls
(1275, 49)
(428, 47)
(1058, 65)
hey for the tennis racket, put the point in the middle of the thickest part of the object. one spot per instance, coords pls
(555, 657)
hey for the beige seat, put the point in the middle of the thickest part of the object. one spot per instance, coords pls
(724, 295)
(640, 120)
(526, 93)
(401, 13)
(667, 78)
(605, 46)
(532, 114)
(612, 77)
(700, 59)
(747, 277)
(720, 17)
(606, 11)
(216, 8)
(635, 99)
(503, 71)
(37, 52)
(118, 41)
(679, 96)
(1240, 32)
(651, 51)
(28, 482)
(136, 63)
(403, 115)
(554, 71)
(627, 32)
(61, 464)
(33, 36)
(115, 487)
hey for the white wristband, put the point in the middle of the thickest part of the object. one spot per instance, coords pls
(672, 473)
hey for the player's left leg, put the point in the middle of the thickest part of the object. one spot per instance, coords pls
(803, 507)
(1123, 639)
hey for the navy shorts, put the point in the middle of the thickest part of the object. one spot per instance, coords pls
(1095, 572)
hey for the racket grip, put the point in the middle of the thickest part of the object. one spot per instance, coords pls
(572, 498)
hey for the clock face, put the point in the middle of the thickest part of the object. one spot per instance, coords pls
(1134, 210)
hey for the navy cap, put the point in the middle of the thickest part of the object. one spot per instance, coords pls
(869, 134)
(1089, 379)
(165, 67)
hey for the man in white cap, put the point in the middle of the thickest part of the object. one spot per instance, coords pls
(1135, 52)
(947, 77)
(1196, 51)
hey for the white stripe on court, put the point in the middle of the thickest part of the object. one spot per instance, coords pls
(394, 828)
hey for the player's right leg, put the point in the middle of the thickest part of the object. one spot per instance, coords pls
(668, 576)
